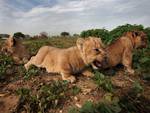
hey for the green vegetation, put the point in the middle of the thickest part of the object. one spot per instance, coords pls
(118, 31)
(64, 34)
(102, 33)
(102, 81)
(105, 106)
(47, 96)
(131, 102)
(19, 35)
(33, 45)
(109, 36)
(75, 90)
(6, 63)
(33, 71)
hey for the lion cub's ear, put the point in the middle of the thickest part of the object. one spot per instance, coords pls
(102, 44)
(98, 40)
(79, 43)
(135, 34)
(11, 41)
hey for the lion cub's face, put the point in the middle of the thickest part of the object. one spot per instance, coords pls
(92, 50)
(139, 38)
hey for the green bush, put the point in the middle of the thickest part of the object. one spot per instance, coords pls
(109, 36)
(141, 62)
(118, 31)
(102, 33)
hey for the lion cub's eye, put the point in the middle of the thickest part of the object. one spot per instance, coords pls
(96, 50)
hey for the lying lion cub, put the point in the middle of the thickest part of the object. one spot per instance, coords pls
(121, 50)
(16, 49)
(71, 61)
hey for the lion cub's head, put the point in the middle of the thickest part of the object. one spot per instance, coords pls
(139, 38)
(91, 50)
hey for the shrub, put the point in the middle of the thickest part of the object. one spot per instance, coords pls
(118, 31)
(102, 33)
(141, 62)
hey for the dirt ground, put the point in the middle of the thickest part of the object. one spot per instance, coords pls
(9, 101)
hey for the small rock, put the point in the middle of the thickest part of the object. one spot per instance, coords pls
(56, 102)
(86, 91)
(76, 98)
(78, 105)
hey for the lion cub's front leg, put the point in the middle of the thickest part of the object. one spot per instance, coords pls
(87, 73)
(68, 77)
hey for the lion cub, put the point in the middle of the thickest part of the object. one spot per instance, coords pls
(16, 49)
(120, 51)
(71, 61)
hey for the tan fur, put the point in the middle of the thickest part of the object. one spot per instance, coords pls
(16, 49)
(121, 50)
(71, 61)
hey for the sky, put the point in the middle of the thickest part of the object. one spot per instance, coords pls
(54, 16)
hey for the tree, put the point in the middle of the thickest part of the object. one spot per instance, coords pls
(4, 35)
(19, 35)
(64, 34)
(44, 35)
(76, 35)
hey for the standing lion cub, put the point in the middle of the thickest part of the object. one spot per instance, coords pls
(71, 61)
(121, 50)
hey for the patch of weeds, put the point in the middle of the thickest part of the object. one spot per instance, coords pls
(54, 93)
(6, 62)
(102, 81)
(49, 96)
(75, 90)
(133, 101)
(23, 91)
(73, 110)
(102, 107)
(134, 104)
(137, 88)
(32, 71)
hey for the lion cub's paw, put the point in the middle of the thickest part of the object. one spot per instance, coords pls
(26, 66)
(88, 74)
(70, 79)
(130, 71)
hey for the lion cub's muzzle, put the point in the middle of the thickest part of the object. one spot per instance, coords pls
(100, 64)
(100, 60)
